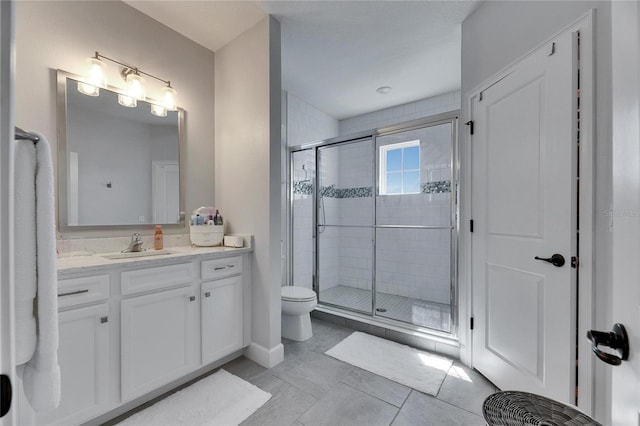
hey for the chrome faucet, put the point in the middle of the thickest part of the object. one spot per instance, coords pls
(135, 245)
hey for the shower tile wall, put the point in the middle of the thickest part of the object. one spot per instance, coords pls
(305, 124)
(398, 114)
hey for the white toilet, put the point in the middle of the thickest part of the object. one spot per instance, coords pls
(297, 303)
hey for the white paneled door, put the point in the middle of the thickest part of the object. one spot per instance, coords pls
(523, 207)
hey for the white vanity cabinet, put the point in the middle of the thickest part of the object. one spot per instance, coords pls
(157, 331)
(221, 308)
(83, 351)
(132, 330)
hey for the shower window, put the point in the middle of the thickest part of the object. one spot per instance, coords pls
(400, 168)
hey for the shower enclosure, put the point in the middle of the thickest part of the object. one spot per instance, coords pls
(373, 223)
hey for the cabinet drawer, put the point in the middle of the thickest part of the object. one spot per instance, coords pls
(220, 268)
(77, 291)
(156, 278)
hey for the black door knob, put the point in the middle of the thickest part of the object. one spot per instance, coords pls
(555, 260)
(616, 340)
(6, 394)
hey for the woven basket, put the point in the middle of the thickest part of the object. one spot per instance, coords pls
(512, 408)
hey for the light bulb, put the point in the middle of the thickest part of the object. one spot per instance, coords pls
(127, 101)
(97, 75)
(158, 110)
(169, 98)
(135, 86)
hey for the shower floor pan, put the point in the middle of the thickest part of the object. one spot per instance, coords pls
(413, 311)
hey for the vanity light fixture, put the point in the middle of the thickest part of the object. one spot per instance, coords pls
(96, 77)
(135, 90)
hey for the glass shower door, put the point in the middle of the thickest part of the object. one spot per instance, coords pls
(415, 226)
(344, 225)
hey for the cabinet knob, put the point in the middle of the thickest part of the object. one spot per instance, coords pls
(192, 298)
(207, 294)
(104, 319)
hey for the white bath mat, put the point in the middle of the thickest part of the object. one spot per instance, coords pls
(220, 399)
(403, 364)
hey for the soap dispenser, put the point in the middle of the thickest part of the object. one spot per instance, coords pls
(157, 238)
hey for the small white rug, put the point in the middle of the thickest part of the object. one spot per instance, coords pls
(220, 399)
(403, 364)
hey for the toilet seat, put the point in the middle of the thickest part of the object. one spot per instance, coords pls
(292, 293)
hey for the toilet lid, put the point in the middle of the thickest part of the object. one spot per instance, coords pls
(293, 293)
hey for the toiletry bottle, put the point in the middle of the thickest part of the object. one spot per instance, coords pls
(217, 219)
(157, 238)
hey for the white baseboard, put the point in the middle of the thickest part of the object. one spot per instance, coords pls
(265, 357)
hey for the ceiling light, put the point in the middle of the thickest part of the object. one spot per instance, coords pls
(383, 90)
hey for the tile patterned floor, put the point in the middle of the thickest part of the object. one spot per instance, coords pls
(311, 388)
(413, 311)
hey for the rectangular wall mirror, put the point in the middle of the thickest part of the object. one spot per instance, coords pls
(118, 167)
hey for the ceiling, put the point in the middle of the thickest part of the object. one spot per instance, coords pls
(335, 54)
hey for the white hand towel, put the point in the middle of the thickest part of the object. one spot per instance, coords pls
(42, 373)
(25, 249)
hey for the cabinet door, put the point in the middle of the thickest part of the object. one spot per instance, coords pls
(221, 318)
(83, 355)
(157, 340)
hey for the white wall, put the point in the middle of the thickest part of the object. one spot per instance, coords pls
(248, 168)
(398, 114)
(62, 34)
(497, 34)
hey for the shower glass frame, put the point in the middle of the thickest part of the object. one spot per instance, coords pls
(451, 118)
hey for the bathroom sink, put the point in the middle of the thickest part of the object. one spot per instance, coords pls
(133, 254)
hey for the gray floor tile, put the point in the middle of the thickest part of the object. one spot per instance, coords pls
(328, 318)
(311, 372)
(347, 406)
(325, 336)
(465, 388)
(366, 328)
(379, 387)
(286, 405)
(244, 368)
(421, 409)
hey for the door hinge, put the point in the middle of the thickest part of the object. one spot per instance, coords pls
(471, 225)
(470, 124)
(574, 262)
(471, 323)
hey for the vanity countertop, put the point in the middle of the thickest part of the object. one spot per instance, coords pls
(85, 262)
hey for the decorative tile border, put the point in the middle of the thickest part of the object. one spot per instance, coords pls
(306, 188)
(437, 187)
